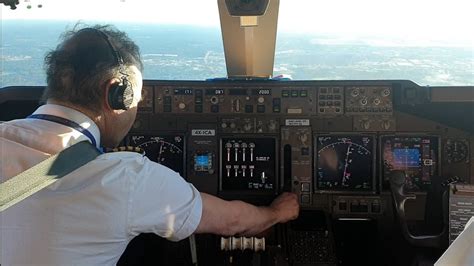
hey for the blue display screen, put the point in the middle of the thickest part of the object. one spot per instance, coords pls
(406, 158)
(416, 156)
(201, 160)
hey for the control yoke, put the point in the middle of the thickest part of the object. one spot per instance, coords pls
(397, 181)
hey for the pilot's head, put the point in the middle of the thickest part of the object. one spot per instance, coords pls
(97, 71)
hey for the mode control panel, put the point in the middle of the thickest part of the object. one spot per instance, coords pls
(263, 98)
(174, 99)
(251, 100)
(146, 102)
(296, 100)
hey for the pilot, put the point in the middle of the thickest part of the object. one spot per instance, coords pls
(89, 216)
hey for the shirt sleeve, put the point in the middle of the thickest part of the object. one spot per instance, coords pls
(162, 202)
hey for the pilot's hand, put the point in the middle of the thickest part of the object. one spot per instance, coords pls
(286, 207)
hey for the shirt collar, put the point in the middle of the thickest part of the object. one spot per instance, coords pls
(73, 115)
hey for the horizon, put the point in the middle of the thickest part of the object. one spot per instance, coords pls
(418, 23)
(177, 52)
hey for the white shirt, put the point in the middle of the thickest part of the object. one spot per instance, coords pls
(89, 216)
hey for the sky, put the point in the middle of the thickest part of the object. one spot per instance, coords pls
(445, 22)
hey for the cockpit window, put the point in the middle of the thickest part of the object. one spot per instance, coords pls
(428, 42)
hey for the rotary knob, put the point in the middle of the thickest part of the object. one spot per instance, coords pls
(377, 101)
(386, 124)
(303, 138)
(182, 106)
(214, 100)
(365, 124)
(386, 92)
(355, 92)
(271, 125)
(247, 126)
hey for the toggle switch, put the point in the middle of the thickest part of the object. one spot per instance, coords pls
(251, 167)
(263, 177)
(228, 145)
(244, 168)
(236, 170)
(236, 147)
(251, 146)
(244, 147)
(228, 167)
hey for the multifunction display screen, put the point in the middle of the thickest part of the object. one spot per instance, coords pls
(166, 150)
(416, 156)
(345, 162)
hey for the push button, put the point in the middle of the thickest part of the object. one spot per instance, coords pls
(305, 199)
(198, 108)
(249, 108)
(305, 187)
(342, 206)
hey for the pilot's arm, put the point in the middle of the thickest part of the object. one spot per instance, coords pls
(239, 218)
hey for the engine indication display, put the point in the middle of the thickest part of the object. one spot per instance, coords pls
(248, 164)
(345, 163)
(166, 150)
(417, 156)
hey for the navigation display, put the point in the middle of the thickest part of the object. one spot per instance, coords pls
(417, 156)
(167, 150)
(345, 162)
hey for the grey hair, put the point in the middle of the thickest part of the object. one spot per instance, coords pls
(83, 62)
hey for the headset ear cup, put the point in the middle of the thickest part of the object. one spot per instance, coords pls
(121, 96)
(127, 98)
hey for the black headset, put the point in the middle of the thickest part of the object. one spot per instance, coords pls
(120, 95)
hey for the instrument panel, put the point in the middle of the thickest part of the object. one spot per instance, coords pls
(251, 140)
(333, 143)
